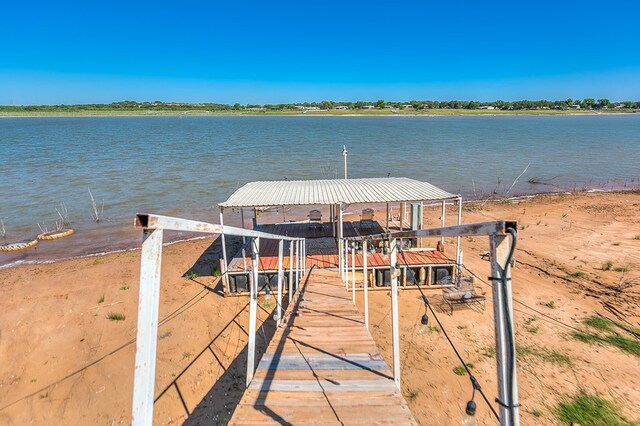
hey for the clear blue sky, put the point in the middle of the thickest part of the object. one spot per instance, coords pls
(289, 51)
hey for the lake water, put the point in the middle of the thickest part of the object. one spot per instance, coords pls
(184, 166)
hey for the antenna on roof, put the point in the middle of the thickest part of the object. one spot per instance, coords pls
(344, 155)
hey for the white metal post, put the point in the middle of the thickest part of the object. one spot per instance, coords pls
(365, 282)
(346, 264)
(442, 218)
(340, 259)
(225, 277)
(147, 336)
(253, 308)
(280, 279)
(353, 272)
(458, 248)
(499, 246)
(344, 155)
(290, 270)
(394, 273)
(341, 242)
(297, 259)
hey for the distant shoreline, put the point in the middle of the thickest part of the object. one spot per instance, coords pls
(430, 113)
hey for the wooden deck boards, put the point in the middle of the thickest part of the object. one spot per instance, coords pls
(323, 260)
(323, 367)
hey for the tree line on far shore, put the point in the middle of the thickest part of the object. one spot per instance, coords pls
(131, 106)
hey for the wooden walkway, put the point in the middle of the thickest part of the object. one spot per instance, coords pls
(323, 367)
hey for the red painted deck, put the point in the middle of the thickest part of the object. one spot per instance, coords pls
(322, 251)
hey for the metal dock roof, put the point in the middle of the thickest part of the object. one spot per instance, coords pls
(334, 191)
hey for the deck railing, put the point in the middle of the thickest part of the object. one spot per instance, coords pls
(153, 227)
(499, 248)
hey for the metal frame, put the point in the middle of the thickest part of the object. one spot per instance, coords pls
(499, 245)
(153, 227)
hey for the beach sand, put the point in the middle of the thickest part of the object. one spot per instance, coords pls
(65, 362)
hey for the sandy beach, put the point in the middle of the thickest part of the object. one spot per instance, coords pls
(68, 328)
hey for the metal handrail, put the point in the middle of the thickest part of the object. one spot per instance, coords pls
(153, 227)
(472, 229)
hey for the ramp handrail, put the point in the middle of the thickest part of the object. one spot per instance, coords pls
(499, 248)
(153, 227)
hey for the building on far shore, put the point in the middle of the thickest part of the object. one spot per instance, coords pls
(486, 107)
(367, 107)
(341, 107)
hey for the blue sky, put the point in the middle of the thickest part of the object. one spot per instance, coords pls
(290, 51)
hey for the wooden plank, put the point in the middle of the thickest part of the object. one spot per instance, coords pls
(323, 367)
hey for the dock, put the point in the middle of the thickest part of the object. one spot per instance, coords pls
(322, 366)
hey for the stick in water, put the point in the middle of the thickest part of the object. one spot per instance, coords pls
(519, 176)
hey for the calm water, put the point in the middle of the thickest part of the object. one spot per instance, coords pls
(185, 166)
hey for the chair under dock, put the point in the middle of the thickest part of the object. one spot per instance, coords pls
(322, 366)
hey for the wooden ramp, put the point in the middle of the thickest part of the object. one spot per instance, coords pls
(323, 366)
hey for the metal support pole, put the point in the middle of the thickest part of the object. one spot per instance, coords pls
(147, 336)
(340, 243)
(253, 308)
(290, 270)
(394, 273)
(280, 280)
(304, 257)
(387, 228)
(365, 283)
(340, 236)
(345, 253)
(225, 277)
(344, 155)
(353, 272)
(297, 260)
(458, 248)
(503, 317)
(442, 218)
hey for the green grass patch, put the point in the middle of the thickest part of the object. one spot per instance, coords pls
(536, 412)
(460, 370)
(590, 410)
(530, 326)
(266, 304)
(550, 304)
(186, 355)
(552, 356)
(191, 275)
(413, 395)
(620, 269)
(599, 323)
(628, 345)
(99, 260)
(124, 286)
(578, 274)
(621, 342)
(489, 352)
(215, 272)
(115, 316)
(606, 266)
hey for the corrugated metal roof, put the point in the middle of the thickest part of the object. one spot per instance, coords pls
(334, 191)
